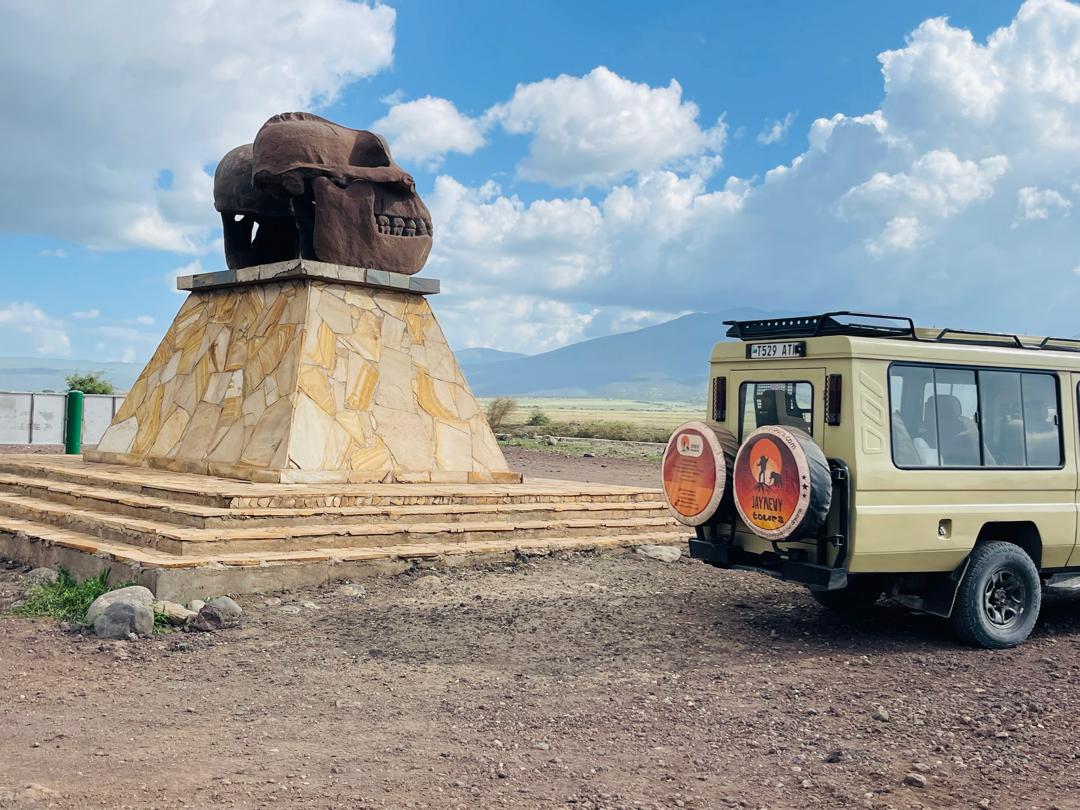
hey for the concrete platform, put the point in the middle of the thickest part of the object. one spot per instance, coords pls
(186, 536)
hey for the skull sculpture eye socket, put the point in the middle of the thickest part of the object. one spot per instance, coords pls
(318, 190)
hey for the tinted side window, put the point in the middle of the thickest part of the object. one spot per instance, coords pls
(1042, 426)
(956, 403)
(954, 417)
(1002, 419)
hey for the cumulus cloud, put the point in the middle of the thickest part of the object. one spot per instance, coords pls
(47, 334)
(425, 130)
(126, 90)
(1039, 203)
(596, 129)
(777, 130)
(907, 207)
(87, 315)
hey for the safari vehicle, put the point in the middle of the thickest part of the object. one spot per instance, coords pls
(861, 456)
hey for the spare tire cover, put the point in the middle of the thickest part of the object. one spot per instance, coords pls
(782, 484)
(697, 471)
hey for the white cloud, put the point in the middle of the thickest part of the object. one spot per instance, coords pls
(141, 320)
(900, 234)
(1034, 203)
(909, 207)
(47, 334)
(87, 315)
(777, 130)
(192, 268)
(136, 89)
(426, 129)
(53, 253)
(596, 129)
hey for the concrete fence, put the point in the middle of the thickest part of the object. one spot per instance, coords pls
(41, 418)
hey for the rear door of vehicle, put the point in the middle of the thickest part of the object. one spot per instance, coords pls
(779, 392)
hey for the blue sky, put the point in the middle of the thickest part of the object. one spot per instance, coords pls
(809, 157)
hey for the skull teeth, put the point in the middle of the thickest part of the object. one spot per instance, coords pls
(402, 226)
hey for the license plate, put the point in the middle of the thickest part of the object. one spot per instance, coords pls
(769, 351)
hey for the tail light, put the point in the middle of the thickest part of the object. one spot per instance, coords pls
(833, 390)
(719, 399)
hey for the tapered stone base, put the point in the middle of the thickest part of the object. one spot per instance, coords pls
(306, 381)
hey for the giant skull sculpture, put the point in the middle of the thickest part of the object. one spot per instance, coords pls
(309, 188)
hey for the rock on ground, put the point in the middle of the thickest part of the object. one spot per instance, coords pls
(195, 605)
(175, 614)
(227, 607)
(41, 576)
(351, 591)
(668, 554)
(214, 617)
(135, 594)
(429, 582)
(120, 620)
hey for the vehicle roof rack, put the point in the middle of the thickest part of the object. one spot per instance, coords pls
(830, 323)
(865, 324)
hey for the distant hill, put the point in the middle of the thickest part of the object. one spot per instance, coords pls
(667, 362)
(47, 374)
(470, 358)
(663, 363)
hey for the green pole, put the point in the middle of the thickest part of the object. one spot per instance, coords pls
(75, 401)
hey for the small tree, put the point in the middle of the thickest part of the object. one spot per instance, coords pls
(538, 418)
(92, 382)
(499, 410)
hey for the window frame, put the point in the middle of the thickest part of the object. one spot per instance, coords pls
(742, 401)
(1054, 375)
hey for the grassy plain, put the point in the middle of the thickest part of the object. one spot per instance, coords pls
(664, 415)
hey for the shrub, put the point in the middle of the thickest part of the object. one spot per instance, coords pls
(538, 418)
(65, 599)
(92, 382)
(616, 431)
(499, 410)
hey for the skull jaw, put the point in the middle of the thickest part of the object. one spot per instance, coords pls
(346, 232)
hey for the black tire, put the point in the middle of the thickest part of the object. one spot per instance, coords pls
(860, 593)
(998, 601)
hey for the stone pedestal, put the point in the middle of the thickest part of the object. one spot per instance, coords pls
(302, 372)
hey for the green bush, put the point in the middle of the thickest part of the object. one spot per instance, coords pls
(92, 382)
(538, 418)
(65, 599)
(616, 431)
(499, 410)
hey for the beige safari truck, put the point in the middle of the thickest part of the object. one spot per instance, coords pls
(861, 456)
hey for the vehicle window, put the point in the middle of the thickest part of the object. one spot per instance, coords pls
(955, 402)
(914, 438)
(1042, 427)
(1002, 419)
(953, 417)
(789, 404)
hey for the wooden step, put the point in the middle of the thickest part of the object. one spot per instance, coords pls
(141, 557)
(173, 539)
(225, 493)
(119, 502)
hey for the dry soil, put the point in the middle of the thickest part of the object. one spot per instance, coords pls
(573, 682)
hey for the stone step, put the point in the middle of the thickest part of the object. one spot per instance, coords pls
(136, 505)
(180, 578)
(226, 493)
(172, 539)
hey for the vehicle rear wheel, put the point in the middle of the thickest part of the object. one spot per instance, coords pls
(860, 593)
(999, 597)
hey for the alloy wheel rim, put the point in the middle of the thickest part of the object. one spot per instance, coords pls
(1004, 597)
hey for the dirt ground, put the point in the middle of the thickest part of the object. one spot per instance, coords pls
(573, 682)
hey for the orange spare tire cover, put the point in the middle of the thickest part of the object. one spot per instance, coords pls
(782, 484)
(697, 471)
